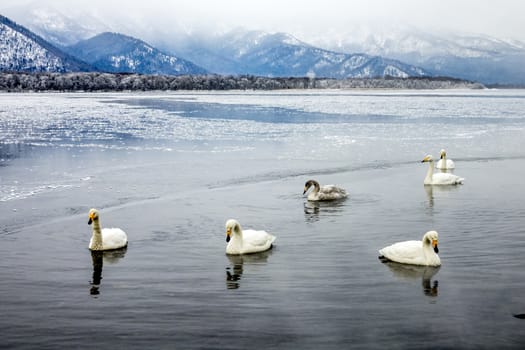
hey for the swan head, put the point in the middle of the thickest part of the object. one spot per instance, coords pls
(442, 154)
(432, 238)
(309, 184)
(93, 215)
(231, 226)
(428, 158)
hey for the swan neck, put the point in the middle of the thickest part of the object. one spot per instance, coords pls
(235, 244)
(97, 235)
(317, 187)
(430, 173)
(238, 231)
(427, 249)
(431, 258)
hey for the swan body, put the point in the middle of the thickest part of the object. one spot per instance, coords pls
(444, 163)
(246, 241)
(323, 193)
(439, 178)
(106, 238)
(422, 252)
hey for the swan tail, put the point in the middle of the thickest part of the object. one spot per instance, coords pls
(383, 259)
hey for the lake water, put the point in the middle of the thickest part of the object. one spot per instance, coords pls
(171, 168)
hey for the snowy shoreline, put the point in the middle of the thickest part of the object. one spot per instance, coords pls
(96, 81)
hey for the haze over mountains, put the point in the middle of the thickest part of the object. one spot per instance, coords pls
(467, 56)
(253, 53)
(360, 52)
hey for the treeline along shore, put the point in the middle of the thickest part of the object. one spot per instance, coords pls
(107, 82)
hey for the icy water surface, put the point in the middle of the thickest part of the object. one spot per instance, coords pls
(170, 169)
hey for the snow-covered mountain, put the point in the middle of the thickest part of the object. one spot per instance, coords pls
(57, 26)
(381, 50)
(280, 54)
(22, 50)
(467, 56)
(118, 53)
(234, 52)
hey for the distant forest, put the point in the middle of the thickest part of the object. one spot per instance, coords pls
(106, 82)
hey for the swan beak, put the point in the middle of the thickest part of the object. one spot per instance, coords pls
(307, 187)
(228, 234)
(435, 245)
(90, 219)
(426, 159)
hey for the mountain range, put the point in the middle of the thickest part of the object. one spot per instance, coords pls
(117, 53)
(241, 52)
(466, 56)
(279, 54)
(399, 52)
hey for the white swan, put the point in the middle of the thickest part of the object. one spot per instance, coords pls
(439, 178)
(422, 252)
(324, 193)
(444, 163)
(247, 241)
(107, 238)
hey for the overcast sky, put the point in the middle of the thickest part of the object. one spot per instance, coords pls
(498, 18)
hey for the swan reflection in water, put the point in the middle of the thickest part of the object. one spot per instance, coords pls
(312, 210)
(413, 272)
(235, 271)
(431, 190)
(98, 258)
